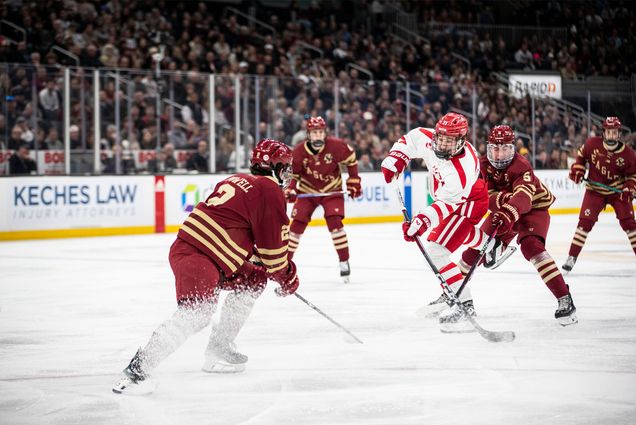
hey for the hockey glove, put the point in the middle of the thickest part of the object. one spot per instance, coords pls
(497, 200)
(576, 175)
(287, 279)
(502, 221)
(353, 187)
(291, 195)
(417, 226)
(393, 165)
(627, 194)
(249, 276)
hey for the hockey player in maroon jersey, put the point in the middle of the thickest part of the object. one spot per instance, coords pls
(519, 205)
(611, 163)
(316, 170)
(244, 217)
(460, 201)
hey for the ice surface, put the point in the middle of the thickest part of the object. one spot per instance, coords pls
(73, 312)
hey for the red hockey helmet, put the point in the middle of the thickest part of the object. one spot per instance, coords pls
(316, 123)
(451, 132)
(271, 157)
(501, 146)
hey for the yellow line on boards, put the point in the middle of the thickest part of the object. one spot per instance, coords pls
(75, 233)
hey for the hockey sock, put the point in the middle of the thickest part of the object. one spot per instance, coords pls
(550, 274)
(296, 230)
(236, 309)
(578, 241)
(453, 276)
(632, 239)
(339, 238)
(172, 333)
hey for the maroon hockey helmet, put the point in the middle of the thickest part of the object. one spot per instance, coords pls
(612, 139)
(271, 157)
(501, 146)
(316, 123)
(451, 125)
(611, 123)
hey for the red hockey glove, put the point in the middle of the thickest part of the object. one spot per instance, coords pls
(417, 226)
(393, 165)
(287, 279)
(249, 276)
(576, 175)
(291, 195)
(353, 187)
(503, 221)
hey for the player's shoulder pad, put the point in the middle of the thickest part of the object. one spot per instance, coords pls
(519, 165)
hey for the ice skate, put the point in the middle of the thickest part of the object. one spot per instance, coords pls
(566, 312)
(133, 380)
(434, 308)
(345, 271)
(569, 264)
(223, 358)
(498, 254)
(455, 320)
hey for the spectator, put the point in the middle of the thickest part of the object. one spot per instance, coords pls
(74, 134)
(364, 164)
(21, 163)
(15, 140)
(165, 161)
(52, 140)
(199, 160)
(50, 101)
(27, 135)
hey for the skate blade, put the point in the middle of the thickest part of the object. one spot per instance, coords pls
(345, 279)
(430, 311)
(126, 387)
(222, 367)
(569, 320)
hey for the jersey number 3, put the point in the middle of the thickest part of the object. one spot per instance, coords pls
(225, 193)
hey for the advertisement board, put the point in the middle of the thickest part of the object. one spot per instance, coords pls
(536, 85)
(40, 204)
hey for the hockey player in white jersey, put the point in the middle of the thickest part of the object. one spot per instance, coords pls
(460, 201)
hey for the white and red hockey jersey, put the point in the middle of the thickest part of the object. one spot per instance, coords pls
(453, 183)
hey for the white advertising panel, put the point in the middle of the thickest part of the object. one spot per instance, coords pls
(183, 192)
(46, 203)
(537, 85)
(568, 194)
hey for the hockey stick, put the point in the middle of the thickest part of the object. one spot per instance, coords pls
(318, 195)
(492, 336)
(610, 188)
(319, 311)
(482, 252)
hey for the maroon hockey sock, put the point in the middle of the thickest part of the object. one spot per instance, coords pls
(550, 274)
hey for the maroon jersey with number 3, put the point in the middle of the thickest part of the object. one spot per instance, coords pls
(244, 213)
(320, 172)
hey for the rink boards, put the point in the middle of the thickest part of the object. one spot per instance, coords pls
(60, 206)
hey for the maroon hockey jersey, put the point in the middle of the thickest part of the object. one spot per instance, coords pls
(606, 167)
(245, 213)
(320, 172)
(517, 186)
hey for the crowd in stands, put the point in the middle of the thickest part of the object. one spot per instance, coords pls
(305, 66)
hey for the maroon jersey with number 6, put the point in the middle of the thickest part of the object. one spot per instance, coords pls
(245, 212)
(320, 172)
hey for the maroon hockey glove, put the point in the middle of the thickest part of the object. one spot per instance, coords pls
(576, 175)
(249, 276)
(496, 200)
(353, 187)
(393, 165)
(287, 279)
(417, 226)
(627, 194)
(502, 221)
(290, 195)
